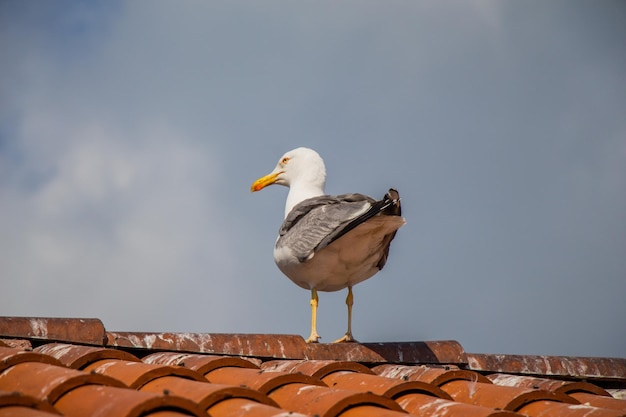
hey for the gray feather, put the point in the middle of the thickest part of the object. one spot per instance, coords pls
(315, 223)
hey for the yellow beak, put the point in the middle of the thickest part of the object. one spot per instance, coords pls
(263, 182)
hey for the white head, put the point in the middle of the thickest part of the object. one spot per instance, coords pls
(302, 170)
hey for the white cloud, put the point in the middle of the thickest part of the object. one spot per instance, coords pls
(118, 220)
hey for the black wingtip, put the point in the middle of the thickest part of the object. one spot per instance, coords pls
(394, 208)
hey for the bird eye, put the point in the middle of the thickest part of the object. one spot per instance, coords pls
(284, 161)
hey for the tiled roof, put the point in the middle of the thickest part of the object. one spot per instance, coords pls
(75, 367)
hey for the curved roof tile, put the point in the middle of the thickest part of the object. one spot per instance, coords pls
(49, 382)
(79, 356)
(103, 401)
(67, 367)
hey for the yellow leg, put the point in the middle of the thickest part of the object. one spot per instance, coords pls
(314, 338)
(349, 302)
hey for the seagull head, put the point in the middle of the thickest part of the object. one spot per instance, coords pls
(301, 167)
(302, 170)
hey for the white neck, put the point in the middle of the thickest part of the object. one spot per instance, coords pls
(301, 191)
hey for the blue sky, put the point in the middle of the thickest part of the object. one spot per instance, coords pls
(130, 133)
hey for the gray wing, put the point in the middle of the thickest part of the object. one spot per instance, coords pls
(315, 223)
(315, 220)
(388, 206)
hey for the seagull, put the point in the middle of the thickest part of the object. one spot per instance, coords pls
(328, 243)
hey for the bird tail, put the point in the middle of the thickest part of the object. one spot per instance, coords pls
(392, 203)
(392, 208)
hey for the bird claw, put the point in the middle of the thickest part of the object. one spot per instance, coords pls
(347, 338)
(314, 338)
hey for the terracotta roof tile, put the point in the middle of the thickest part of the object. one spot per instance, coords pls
(78, 356)
(558, 366)
(202, 364)
(435, 352)
(494, 396)
(315, 368)
(22, 411)
(51, 382)
(556, 385)
(74, 367)
(204, 394)
(432, 375)
(17, 404)
(90, 400)
(416, 397)
(599, 401)
(379, 385)
(257, 345)
(21, 344)
(325, 401)
(368, 411)
(83, 331)
(258, 379)
(136, 374)
(12, 356)
(242, 407)
(426, 406)
(550, 408)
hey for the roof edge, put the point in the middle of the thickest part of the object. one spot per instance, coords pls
(88, 331)
(578, 367)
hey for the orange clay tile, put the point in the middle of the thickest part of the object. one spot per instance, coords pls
(599, 401)
(47, 370)
(257, 379)
(199, 363)
(243, 407)
(432, 375)
(560, 386)
(581, 367)
(415, 397)
(15, 403)
(447, 351)
(86, 331)
(136, 374)
(164, 413)
(315, 368)
(327, 402)
(10, 357)
(21, 411)
(261, 345)
(552, 409)
(204, 394)
(387, 387)
(494, 396)
(51, 382)
(20, 344)
(290, 347)
(102, 401)
(428, 406)
(78, 356)
(369, 411)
